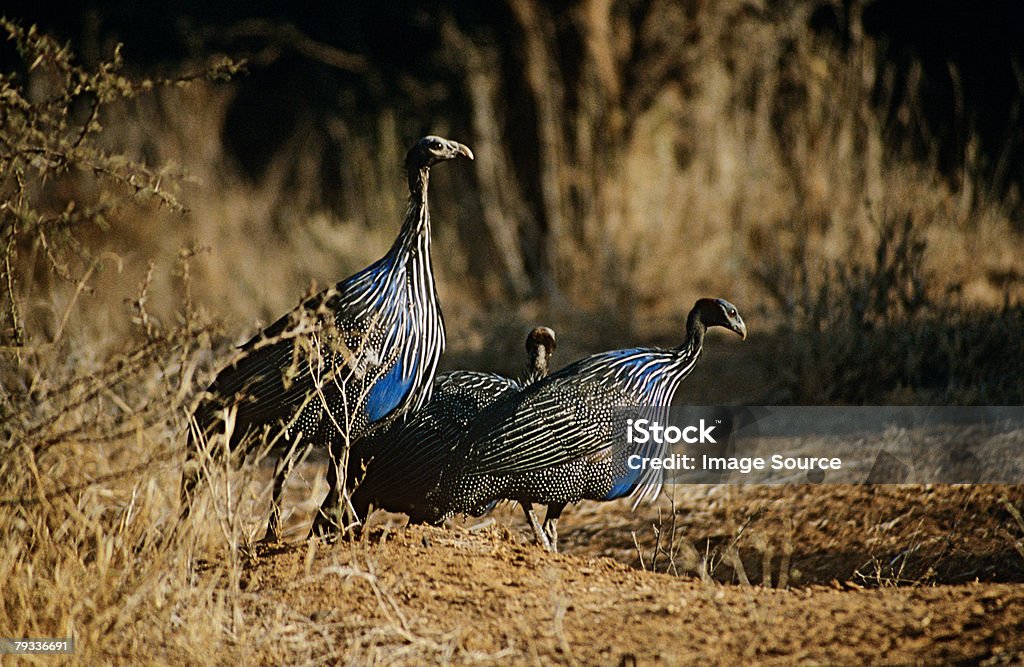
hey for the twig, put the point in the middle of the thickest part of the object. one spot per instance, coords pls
(639, 551)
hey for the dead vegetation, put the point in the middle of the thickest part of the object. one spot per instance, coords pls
(888, 330)
(134, 253)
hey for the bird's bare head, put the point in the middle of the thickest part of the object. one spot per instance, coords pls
(541, 338)
(430, 150)
(719, 313)
(540, 345)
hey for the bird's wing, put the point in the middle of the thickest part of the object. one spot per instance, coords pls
(277, 371)
(534, 430)
(412, 451)
(487, 385)
(269, 379)
(436, 427)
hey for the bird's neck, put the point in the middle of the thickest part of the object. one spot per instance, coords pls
(685, 356)
(538, 367)
(414, 238)
(694, 343)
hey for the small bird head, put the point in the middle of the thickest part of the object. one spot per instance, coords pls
(430, 150)
(541, 338)
(720, 313)
(540, 345)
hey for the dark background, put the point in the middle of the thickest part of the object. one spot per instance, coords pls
(969, 54)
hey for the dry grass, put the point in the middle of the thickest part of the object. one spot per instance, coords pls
(134, 256)
(888, 331)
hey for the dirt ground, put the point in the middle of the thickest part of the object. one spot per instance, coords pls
(840, 574)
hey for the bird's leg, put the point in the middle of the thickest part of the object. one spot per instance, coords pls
(538, 532)
(325, 523)
(199, 454)
(282, 471)
(551, 524)
(189, 482)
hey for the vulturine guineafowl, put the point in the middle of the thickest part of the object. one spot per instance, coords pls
(560, 440)
(394, 468)
(347, 361)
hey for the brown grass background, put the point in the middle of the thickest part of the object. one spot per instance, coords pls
(630, 160)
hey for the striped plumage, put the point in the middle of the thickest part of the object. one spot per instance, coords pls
(394, 468)
(561, 439)
(347, 361)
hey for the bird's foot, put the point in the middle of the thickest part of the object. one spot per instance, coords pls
(324, 528)
(551, 532)
(271, 537)
(538, 531)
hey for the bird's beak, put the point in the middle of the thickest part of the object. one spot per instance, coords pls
(463, 149)
(741, 329)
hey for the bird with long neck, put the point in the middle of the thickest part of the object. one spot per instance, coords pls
(347, 361)
(559, 440)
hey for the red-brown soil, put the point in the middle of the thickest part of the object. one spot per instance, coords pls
(897, 575)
